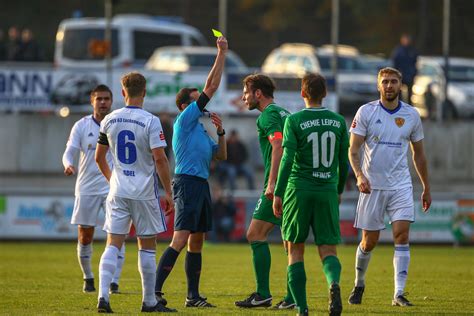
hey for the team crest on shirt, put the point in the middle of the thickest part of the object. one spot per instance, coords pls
(399, 121)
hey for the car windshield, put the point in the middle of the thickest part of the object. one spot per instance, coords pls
(344, 63)
(87, 44)
(461, 73)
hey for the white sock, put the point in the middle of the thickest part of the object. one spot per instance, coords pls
(108, 263)
(401, 261)
(361, 265)
(84, 256)
(120, 261)
(147, 268)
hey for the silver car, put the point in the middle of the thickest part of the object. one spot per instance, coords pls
(428, 88)
(357, 82)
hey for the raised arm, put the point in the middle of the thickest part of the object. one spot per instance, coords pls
(356, 142)
(421, 166)
(214, 77)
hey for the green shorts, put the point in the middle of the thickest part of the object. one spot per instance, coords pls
(264, 211)
(303, 209)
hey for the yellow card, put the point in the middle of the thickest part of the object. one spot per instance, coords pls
(216, 33)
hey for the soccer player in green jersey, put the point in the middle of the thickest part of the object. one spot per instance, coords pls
(258, 94)
(311, 179)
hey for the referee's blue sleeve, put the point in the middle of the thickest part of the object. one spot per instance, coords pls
(189, 117)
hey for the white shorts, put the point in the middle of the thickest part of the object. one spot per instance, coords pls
(371, 208)
(86, 209)
(146, 215)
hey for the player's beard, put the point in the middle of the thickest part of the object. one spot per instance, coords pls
(393, 95)
(252, 104)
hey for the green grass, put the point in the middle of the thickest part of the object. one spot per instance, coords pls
(44, 278)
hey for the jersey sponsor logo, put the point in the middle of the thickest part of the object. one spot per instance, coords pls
(90, 134)
(162, 136)
(378, 122)
(399, 121)
(354, 123)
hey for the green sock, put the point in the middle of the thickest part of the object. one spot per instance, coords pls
(332, 269)
(288, 298)
(297, 283)
(262, 260)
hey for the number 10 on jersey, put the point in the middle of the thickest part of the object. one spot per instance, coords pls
(327, 142)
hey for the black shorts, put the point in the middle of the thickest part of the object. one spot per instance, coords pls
(193, 205)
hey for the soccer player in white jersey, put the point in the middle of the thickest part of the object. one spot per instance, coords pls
(136, 141)
(386, 127)
(91, 186)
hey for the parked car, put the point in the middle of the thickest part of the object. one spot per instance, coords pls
(428, 87)
(74, 89)
(80, 41)
(357, 85)
(181, 59)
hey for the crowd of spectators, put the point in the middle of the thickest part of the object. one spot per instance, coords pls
(19, 46)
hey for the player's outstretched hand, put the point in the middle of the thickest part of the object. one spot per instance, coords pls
(169, 204)
(363, 184)
(277, 206)
(426, 200)
(222, 44)
(70, 170)
(269, 191)
(217, 121)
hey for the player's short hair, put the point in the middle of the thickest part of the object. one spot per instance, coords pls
(134, 84)
(314, 87)
(101, 88)
(389, 71)
(262, 82)
(184, 96)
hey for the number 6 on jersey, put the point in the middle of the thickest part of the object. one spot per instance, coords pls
(126, 150)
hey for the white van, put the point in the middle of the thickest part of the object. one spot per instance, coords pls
(80, 41)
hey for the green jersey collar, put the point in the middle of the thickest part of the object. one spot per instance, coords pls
(316, 109)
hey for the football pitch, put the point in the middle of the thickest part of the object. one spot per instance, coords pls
(44, 278)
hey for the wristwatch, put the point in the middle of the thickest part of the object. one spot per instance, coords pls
(221, 134)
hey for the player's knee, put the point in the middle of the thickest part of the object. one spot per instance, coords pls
(253, 236)
(178, 243)
(368, 245)
(401, 237)
(195, 246)
(85, 240)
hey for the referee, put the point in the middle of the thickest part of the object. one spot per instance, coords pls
(194, 150)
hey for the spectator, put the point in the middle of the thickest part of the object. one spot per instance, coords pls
(13, 47)
(167, 125)
(3, 48)
(30, 50)
(224, 211)
(234, 166)
(404, 58)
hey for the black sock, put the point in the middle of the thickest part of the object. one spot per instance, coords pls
(166, 264)
(193, 266)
